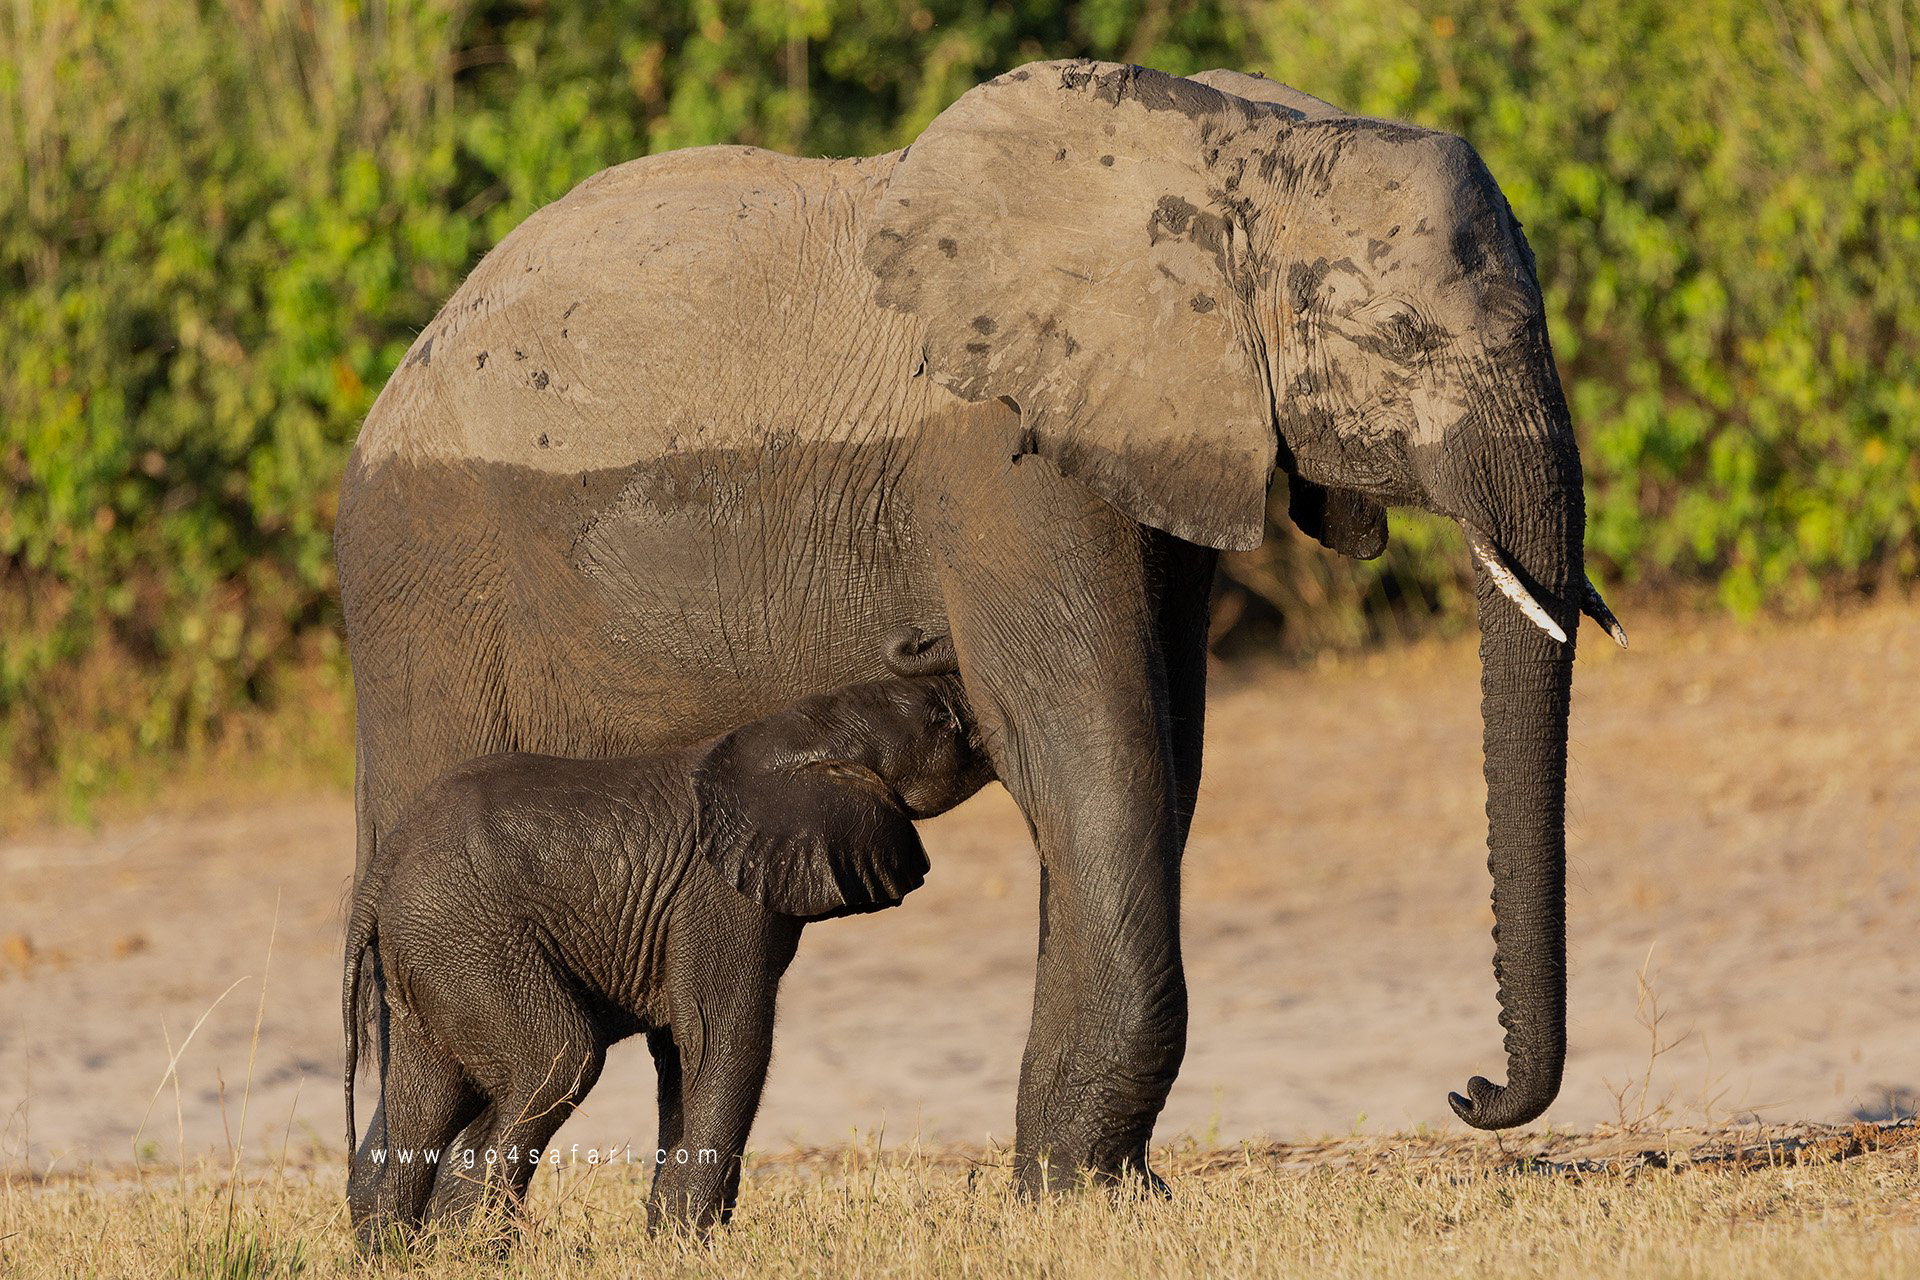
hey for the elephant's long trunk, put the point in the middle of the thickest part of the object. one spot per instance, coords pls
(1528, 547)
(1526, 679)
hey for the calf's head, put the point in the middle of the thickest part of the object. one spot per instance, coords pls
(810, 812)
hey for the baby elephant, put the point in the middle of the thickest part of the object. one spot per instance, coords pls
(527, 911)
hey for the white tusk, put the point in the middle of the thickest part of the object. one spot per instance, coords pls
(1596, 608)
(1510, 586)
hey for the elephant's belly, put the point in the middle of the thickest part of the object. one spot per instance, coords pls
(492, 606)
(733, 585)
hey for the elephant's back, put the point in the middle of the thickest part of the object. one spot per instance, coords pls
(704, 299)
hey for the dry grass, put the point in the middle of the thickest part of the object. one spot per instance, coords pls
(1800, 1201)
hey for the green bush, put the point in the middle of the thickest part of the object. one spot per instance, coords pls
(221, 224)
(216, 227)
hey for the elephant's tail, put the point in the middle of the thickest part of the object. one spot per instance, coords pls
(363, 994)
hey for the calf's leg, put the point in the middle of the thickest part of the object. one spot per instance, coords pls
(425, 1099)
(722, 1011)
(549, 1056)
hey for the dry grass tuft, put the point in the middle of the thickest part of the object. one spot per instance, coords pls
(1812, 1200)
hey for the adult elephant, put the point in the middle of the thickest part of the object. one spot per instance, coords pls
(691, 440)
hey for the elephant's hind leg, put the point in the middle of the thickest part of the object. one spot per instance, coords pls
(425, 1101)
(547, 1055)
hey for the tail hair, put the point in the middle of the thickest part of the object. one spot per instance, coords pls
(363, 999)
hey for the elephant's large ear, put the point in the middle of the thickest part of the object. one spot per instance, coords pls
(1074, 235)
(1349, 522)
(812, 839)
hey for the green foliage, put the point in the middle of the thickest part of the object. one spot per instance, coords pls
(221, 224)
(555, 91)
(216, 227)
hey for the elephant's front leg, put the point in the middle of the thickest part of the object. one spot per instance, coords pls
(1054, 623)
(726, 957)
(1180, 576)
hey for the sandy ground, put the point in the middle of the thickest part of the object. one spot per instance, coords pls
(1745, 816)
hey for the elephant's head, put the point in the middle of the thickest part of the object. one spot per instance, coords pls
(810, 811)
(1183, 285)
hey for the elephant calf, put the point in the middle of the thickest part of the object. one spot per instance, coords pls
(528, 911)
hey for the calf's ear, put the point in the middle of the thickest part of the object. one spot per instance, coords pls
(815, 839)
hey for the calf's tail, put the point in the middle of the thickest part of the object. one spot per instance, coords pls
(363, 994)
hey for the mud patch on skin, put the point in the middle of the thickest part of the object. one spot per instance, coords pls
(1174, 218)
(1154, 90)
(1172, 215)
(1385, 130)
(1076, 75)
(1308, 173)
(1303, 283)
(1469, 248)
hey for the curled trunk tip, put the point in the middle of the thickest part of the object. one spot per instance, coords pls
(1487, 1105)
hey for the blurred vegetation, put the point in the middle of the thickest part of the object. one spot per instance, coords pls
(222, 221)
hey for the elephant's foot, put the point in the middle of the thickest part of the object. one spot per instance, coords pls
(1082, 1117)
(1098, 1139)
(1040, 1174)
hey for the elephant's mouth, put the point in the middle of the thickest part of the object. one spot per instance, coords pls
(1512, 584)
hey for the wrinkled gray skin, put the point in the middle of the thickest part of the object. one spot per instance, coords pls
(693, 436)
(526, 912)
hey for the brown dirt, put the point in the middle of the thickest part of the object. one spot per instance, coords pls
(1743, 810)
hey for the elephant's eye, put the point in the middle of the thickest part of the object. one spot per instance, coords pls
(1404, 336)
